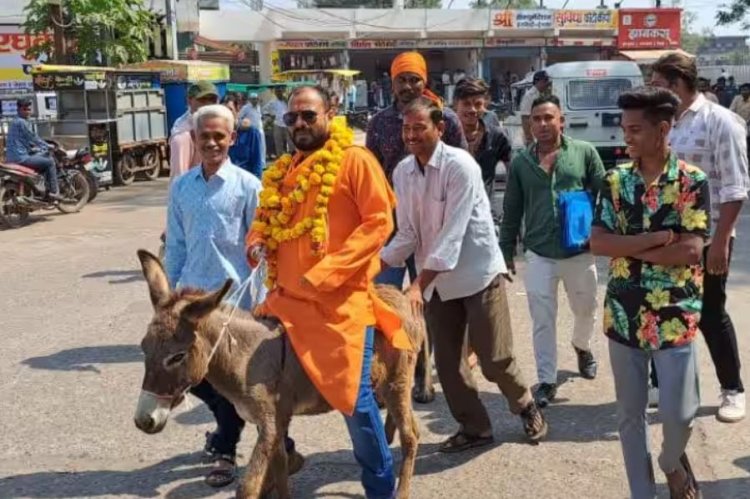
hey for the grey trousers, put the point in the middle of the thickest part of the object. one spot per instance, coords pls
(679, 399)
(282, 140)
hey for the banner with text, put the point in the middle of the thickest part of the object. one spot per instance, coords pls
(523, 19)
(649, 29)
(586, 19)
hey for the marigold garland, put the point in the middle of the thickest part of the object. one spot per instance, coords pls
(317, 178)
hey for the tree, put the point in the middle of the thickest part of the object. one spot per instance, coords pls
(691, 40)
(736, 12)
(103, 31)
(505, 4)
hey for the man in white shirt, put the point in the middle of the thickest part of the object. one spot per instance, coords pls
(541, 86)
(712, 138)
(254, 116)
(444, 219)
(277, 108)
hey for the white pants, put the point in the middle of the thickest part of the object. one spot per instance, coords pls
(542, 276)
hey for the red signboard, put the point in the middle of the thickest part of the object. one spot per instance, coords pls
(649, 29)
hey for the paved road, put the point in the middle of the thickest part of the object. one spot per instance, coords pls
(74, 308)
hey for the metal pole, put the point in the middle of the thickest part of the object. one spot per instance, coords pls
(171, 9)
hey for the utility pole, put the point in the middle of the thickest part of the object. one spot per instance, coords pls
(171, 10)
(58, 32)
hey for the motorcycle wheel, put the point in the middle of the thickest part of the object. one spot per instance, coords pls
(12, 216)
(93, 184)
(75, 189)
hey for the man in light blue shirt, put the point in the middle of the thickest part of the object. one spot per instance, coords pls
(211, 208)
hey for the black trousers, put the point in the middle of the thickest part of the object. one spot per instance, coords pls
(229, 424)
(718, 330)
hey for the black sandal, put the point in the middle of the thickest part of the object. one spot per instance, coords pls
(463, 441)
(534, 423)
(691, 483)
(221, 476)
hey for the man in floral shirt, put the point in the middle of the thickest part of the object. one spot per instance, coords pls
(652, 221)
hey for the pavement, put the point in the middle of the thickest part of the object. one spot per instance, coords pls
(74, 308)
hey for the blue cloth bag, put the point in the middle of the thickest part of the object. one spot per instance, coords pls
(576, 211)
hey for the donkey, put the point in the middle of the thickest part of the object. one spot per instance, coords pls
(253, 365)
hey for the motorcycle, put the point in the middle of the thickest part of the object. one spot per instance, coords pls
(23, 190)
(79, 159)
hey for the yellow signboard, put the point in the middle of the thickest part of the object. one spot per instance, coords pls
(185, 70)
(586, 19)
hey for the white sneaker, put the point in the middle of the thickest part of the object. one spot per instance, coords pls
(732, 408)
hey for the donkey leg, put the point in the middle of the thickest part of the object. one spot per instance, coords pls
(258, 466)
(408, 432)
(424, 391)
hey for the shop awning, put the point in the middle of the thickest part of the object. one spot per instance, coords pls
(646, 56)
(338, 72)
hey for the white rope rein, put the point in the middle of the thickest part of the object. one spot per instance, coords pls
(235, 298)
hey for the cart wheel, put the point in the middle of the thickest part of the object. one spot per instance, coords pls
(150, 161)
(124, 171)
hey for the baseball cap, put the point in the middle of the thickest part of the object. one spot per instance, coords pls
(253, 95)
(540, 76)
(201, 89)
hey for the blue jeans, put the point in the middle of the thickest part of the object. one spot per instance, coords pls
(395, 275)
(45, 165)
(368, 434)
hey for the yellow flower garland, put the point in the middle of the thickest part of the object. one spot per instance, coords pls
(275, 211)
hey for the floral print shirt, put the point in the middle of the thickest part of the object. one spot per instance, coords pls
(649, 306)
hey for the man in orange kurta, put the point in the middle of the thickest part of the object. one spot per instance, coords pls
(326, 301)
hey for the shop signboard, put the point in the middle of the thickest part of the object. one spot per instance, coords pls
(311, 45)
(15, 68)
(541, 19)
(382, 44)
(64, 80)
(514, 42)
(649, 29)
(593, 19)
(447, 43)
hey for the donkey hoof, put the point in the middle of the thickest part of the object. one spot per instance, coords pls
(423, 394)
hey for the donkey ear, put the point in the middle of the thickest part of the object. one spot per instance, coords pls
(206, 304)
(158, 284)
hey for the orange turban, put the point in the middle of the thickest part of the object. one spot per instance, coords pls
(409, 62)
(413, 62)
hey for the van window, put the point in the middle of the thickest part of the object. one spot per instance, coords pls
(596, 94)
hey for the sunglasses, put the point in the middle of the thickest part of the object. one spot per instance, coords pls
(309, 117)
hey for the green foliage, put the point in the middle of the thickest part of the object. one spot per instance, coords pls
(505, 4)
(108, 32)
(737, 12)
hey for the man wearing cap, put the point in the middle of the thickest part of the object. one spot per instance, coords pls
(253, 113)
(384, 139)
(541, 86)
(183, 155)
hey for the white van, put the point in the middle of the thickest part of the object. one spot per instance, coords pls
(588, 93)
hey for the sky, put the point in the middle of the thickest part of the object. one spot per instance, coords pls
(706, 9)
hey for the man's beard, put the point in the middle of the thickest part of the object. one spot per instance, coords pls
(308, 141)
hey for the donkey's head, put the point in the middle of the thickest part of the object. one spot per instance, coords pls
(176, 356)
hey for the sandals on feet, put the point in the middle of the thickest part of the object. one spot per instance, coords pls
(463, 441)
(224, 472)
(690, 488)
(534, 424)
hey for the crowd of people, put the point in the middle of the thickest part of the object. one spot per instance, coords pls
(333, 218)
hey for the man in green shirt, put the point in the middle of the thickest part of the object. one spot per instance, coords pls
(553, 164)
